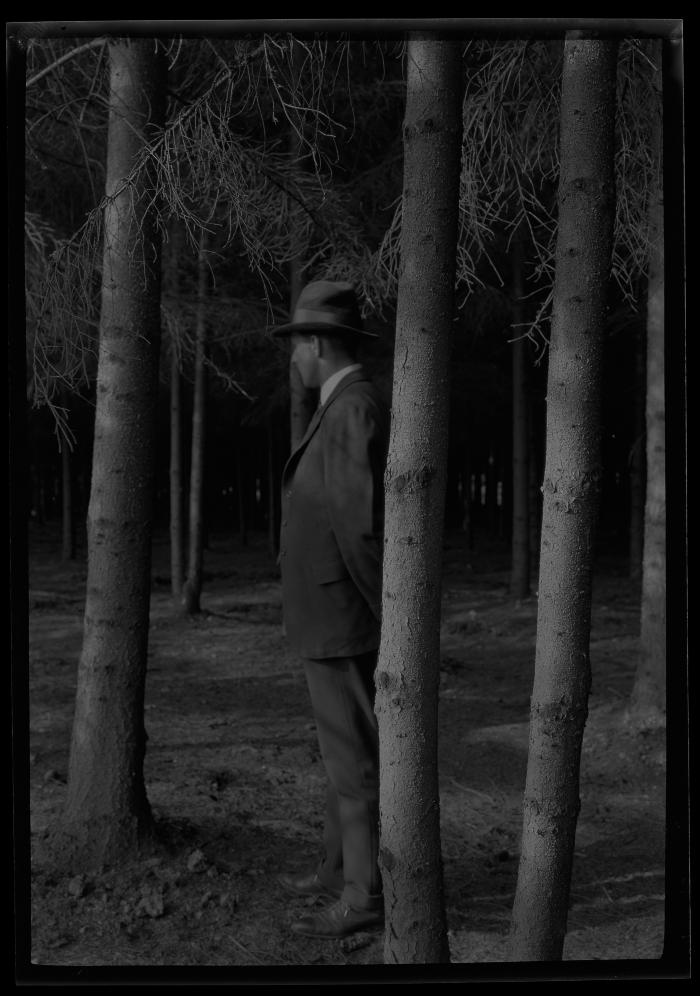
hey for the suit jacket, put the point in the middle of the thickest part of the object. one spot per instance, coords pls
(332, 525)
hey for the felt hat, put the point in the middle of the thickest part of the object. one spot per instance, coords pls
(326, 306)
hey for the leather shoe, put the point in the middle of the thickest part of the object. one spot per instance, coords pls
(338, 920)
(307, 885)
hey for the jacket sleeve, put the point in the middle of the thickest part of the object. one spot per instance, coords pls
(354, 449)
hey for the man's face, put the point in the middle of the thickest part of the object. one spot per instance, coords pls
(305, 358)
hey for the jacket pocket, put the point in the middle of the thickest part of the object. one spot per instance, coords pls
(326, 571)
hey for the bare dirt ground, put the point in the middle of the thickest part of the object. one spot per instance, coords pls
(235, 779)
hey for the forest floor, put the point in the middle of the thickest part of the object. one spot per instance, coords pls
(236, 783)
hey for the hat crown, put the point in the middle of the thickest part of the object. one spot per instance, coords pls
(328, 302)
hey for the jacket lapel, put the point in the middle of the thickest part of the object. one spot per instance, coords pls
(313, 425)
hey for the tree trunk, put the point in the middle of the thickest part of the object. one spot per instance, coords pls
(467, 525)
(107, 814)
(520, 564)
(648, 701)
(637, 464)
(176, 491)
(409, 658)
(491, 495)
(67, 511)
(240, 489)
(559, 703)
(192, 588)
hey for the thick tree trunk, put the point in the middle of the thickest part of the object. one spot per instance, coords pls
(107, 814)
(409, 659)
(520, 564)
(192, 588)
(648, 701)
(559, 701)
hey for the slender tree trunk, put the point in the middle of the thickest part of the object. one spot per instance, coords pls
(637, 465)
(648, 702)
(240, 488)
(559, 703)
(491, 504)
(176, 490)
(107, 814)
(67, 511)
(467, 501)
(409, 659)
(172, 280)
(192, 588)
(520, 566)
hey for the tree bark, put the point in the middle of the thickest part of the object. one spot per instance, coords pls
(571, 487)
(648, 701)
(67, 510)
(240, 491)
(176, 491)
(409, 658)
(520, 565)
(637, 463)
(107, 814)
(467, 524)
(192, 588)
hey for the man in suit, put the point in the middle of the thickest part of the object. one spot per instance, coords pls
(330, 557)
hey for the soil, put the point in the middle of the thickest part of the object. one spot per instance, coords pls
(236, 783)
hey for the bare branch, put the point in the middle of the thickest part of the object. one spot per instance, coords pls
(95, 43)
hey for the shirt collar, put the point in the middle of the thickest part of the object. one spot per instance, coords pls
(329, 385)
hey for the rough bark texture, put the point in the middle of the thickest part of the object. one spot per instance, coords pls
(559, 701)
(107, 813)
(192, 588)
(520, 567)
(648, 702)
(409, 660)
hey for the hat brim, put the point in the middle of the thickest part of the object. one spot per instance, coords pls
(319, 328)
